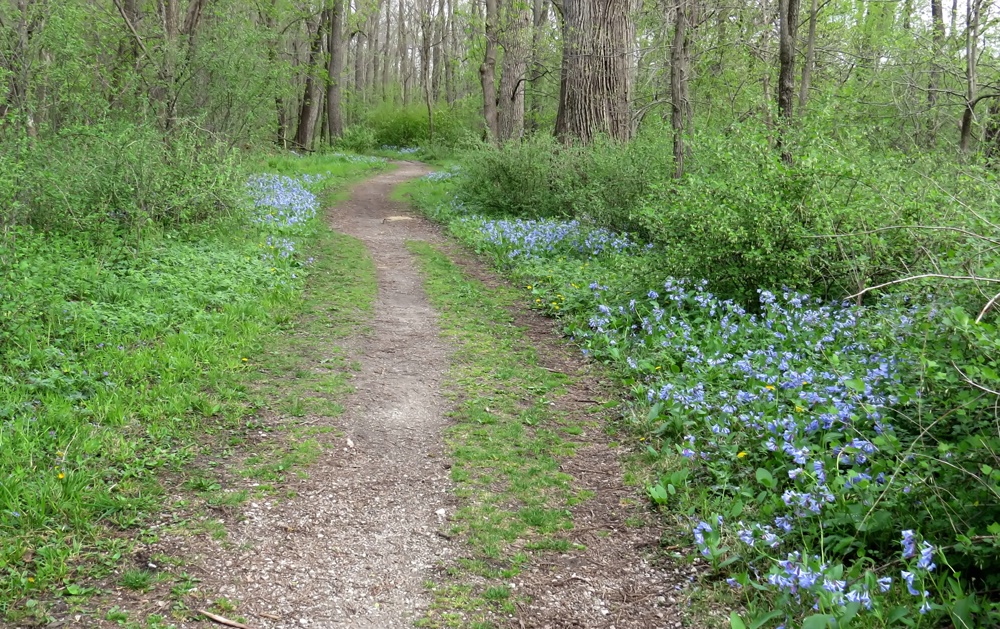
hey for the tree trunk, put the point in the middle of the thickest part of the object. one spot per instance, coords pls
(487, 72)
(335, 69)
(788, 16)
(972, 13)
(807, 67)
(596, 96)
(678, 85)
(311, 94)
(514, 40)
(437, 74)
(540, 16)
(427, 30)
(404, 63)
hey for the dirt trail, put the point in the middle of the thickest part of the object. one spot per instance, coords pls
(357, 545)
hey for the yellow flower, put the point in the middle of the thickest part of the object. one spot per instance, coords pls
(528, 287)
(769, 388)
(538, 301)
(246, 359)
(657, 367)
(31, 579)
(799, 409)
(61, 476)
(741, 455)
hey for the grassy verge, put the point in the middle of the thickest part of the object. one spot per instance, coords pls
(507, 445)
(125, 367)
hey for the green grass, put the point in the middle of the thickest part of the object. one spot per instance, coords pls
(122, 367)
(507, 444)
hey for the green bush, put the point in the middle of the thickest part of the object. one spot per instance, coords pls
(358, 139)
(112, 176)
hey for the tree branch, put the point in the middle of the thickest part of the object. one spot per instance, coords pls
(131, 27)
(926, 276)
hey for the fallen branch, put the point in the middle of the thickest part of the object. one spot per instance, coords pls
(926, 276)
(221, 620)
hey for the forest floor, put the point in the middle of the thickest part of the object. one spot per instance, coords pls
(472, 479)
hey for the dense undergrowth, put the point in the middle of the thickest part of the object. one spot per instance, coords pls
(835, 462)
(124, 347)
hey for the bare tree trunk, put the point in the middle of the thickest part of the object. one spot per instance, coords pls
(487, 72)
(335, 69)
(972, 15)
(311, 94)
(807, 67)
(170, 18)
(359, 66)
(404, 63)
(437, 75)
(598, 43)
(385, 51)
(450, 88)
(788, 16)
(540, 16)
(268, 19)
(427, 30)
(678, 85)
(514, 39)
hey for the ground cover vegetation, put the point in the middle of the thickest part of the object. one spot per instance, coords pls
(834, 460)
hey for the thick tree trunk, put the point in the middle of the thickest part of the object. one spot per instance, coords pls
(596, 96)
(335, 69)
(487, 72)
(514, 40)
(678, 85)
(311, 94)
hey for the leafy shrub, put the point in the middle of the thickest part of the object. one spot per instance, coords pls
(102, 178)
(359, 139)
(842, 460)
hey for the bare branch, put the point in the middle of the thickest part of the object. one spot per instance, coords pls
(987, 307)
(131, 27)
(958, 278)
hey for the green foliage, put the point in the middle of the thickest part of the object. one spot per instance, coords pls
(409, 126)
(754, 422)
(540, 177)
(121, 359)
(358, 139)
(109, 177)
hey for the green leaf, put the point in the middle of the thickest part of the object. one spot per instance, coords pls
(658, 494)
(818, 621)
(771, 615)
(765, 478)
(735, 622)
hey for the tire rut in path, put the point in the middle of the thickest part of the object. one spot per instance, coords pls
(358, 543)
